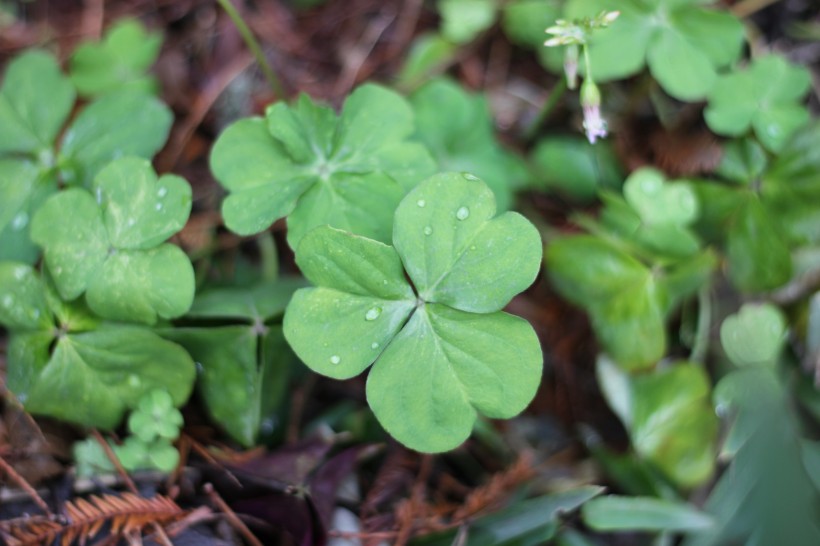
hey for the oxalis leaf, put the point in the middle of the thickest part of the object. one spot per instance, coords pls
(441, 348)
(306, 163)
(110, 245)
(64, 363)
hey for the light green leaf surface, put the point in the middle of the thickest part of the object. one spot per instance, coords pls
(122, 123)
(100, 249)
(456, 253)
(23, 304)
(263, 301)
(574, 167)
(754, 335)
(764, 96)
(22, 191)
(463, 20)
(35, 100)
(435, 365)
(120, 60)
(91, 378)
(303, 161)
(657, 202)
(458, 129)
(616, 513)
(681, 67)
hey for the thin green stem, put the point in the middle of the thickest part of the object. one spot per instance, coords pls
(587, 63)
(254, 47)
(270, 259)
(549, 105)
(704, 325)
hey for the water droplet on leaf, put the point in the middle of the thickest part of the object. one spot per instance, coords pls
(7, 301)
(99, 195)
(162, 192)
(20, 221)
(373, 313)
(335, 359)
(463, 213)
(20, 273)
(421, 203)
(158, 206)
(134, 381)
(468, 176)
(428, 230)
(374, 345)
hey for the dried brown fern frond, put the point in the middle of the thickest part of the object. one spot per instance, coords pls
(126, 513)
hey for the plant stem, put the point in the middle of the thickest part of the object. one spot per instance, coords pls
(253, 46)
(270, 260)
(704, 325)
(549, 105)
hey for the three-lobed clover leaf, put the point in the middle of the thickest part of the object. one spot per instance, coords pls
(754, 335)
(440, 347)
(63, 363)
(109, 244)
(155, 418)
(457, 127)
(764, 96)
(682, 42)
(36, 99)
(120, 60)
(317, 168)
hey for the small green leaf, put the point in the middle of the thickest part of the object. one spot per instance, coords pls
(462, 362)
(262, 301)
(614, 513)
(656, 202)
(35, 100)
(458, 128)
(23, 304)
(122, 123)
(463, 20)
(681, 67)
(120, 60)
(759, 258)
(427, 53)
(22, 191)
(754, 335)
(107, 246)
(91, 378)
(743, 161)
(524, 21)
(456, 253)
(574, 167)
(763, 96)
(155, 418)
(348, 172)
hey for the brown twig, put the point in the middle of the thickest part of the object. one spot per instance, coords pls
(233, 519)
(24, 485)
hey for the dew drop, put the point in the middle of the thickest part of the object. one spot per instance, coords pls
(373, 313)
(335, 359)
(384, 281)
(134, 381)
(158, 206)
(199, 367)
(20, 221)
(421, 203)
(468, 176)
(7, 301)
(463, 213)
(22, 397)
(20, 273)
(428, 230)
(131, 222)
(162, 192)
(98, 194)
(374, 345)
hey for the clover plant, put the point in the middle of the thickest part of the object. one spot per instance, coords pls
(64, 362)
(683, 43)
(457, 128)
(120, 60)
(235, 335)
(38, 153)
(305, 162)
(764, 96)
(112, 245)
(425, 312)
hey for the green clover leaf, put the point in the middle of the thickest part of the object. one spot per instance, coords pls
(682, 43)
(764, 96)
(110, 246)
(35, 101)
(441, 349)
(64, 363)
(574, 167)
(754, 335)
(235, 336)
(669, 416)
(457, 127)
(119, 60)
(304, 162)
(155, 418)
(463, 20)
